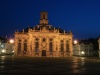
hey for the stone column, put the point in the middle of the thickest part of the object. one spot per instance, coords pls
(64, 48)
(70, 48)
(40, 46)
(22, 47)
(58, 48)
(33, 47)
(47, 52)
(28, 47)
(30, 51)
(54, 47)
(29, 44)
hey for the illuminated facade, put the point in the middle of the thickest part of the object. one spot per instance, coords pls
(43, 40)
(83, 49)
(99, 46)
(6, 48)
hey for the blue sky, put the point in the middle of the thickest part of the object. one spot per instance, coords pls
(82, 17)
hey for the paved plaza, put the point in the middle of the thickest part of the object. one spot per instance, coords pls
(49, 66)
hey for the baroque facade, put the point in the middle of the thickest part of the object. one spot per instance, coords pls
(43, 40)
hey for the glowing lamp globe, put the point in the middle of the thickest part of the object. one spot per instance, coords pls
(75, 41)
(3, 51)
(11, 41)
(82, 52)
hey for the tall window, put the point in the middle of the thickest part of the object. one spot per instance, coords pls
(19, 46)
(67, 46)
(37, 45)
(50, 45)
(62, 45)
(25, 45)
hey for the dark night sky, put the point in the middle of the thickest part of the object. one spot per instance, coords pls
(82, 17)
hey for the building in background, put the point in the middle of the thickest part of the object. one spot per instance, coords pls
(99, 46)
(43, 40)
(6, 47)
(83, 49)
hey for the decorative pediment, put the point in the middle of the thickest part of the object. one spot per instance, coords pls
(44, 29)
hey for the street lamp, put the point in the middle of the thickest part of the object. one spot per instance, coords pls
(11, 41)
(3, 51)
(75, 42)
(82, 52)
(12, 51)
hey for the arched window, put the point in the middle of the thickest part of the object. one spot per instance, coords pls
(25, 45)
(61, 46)
(19, 46)
(37, 45)
(67, 46)
(50, 47)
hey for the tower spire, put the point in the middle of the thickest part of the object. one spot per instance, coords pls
(44, 17)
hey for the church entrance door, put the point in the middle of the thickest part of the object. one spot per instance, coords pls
(43, 52)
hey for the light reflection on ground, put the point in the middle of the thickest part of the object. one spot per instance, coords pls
(37, 66)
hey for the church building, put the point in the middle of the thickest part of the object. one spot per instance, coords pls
(43, 40)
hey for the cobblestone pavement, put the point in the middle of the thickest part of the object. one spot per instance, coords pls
(49, 66)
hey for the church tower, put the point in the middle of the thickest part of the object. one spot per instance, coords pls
(44, 18)
(43, 40)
